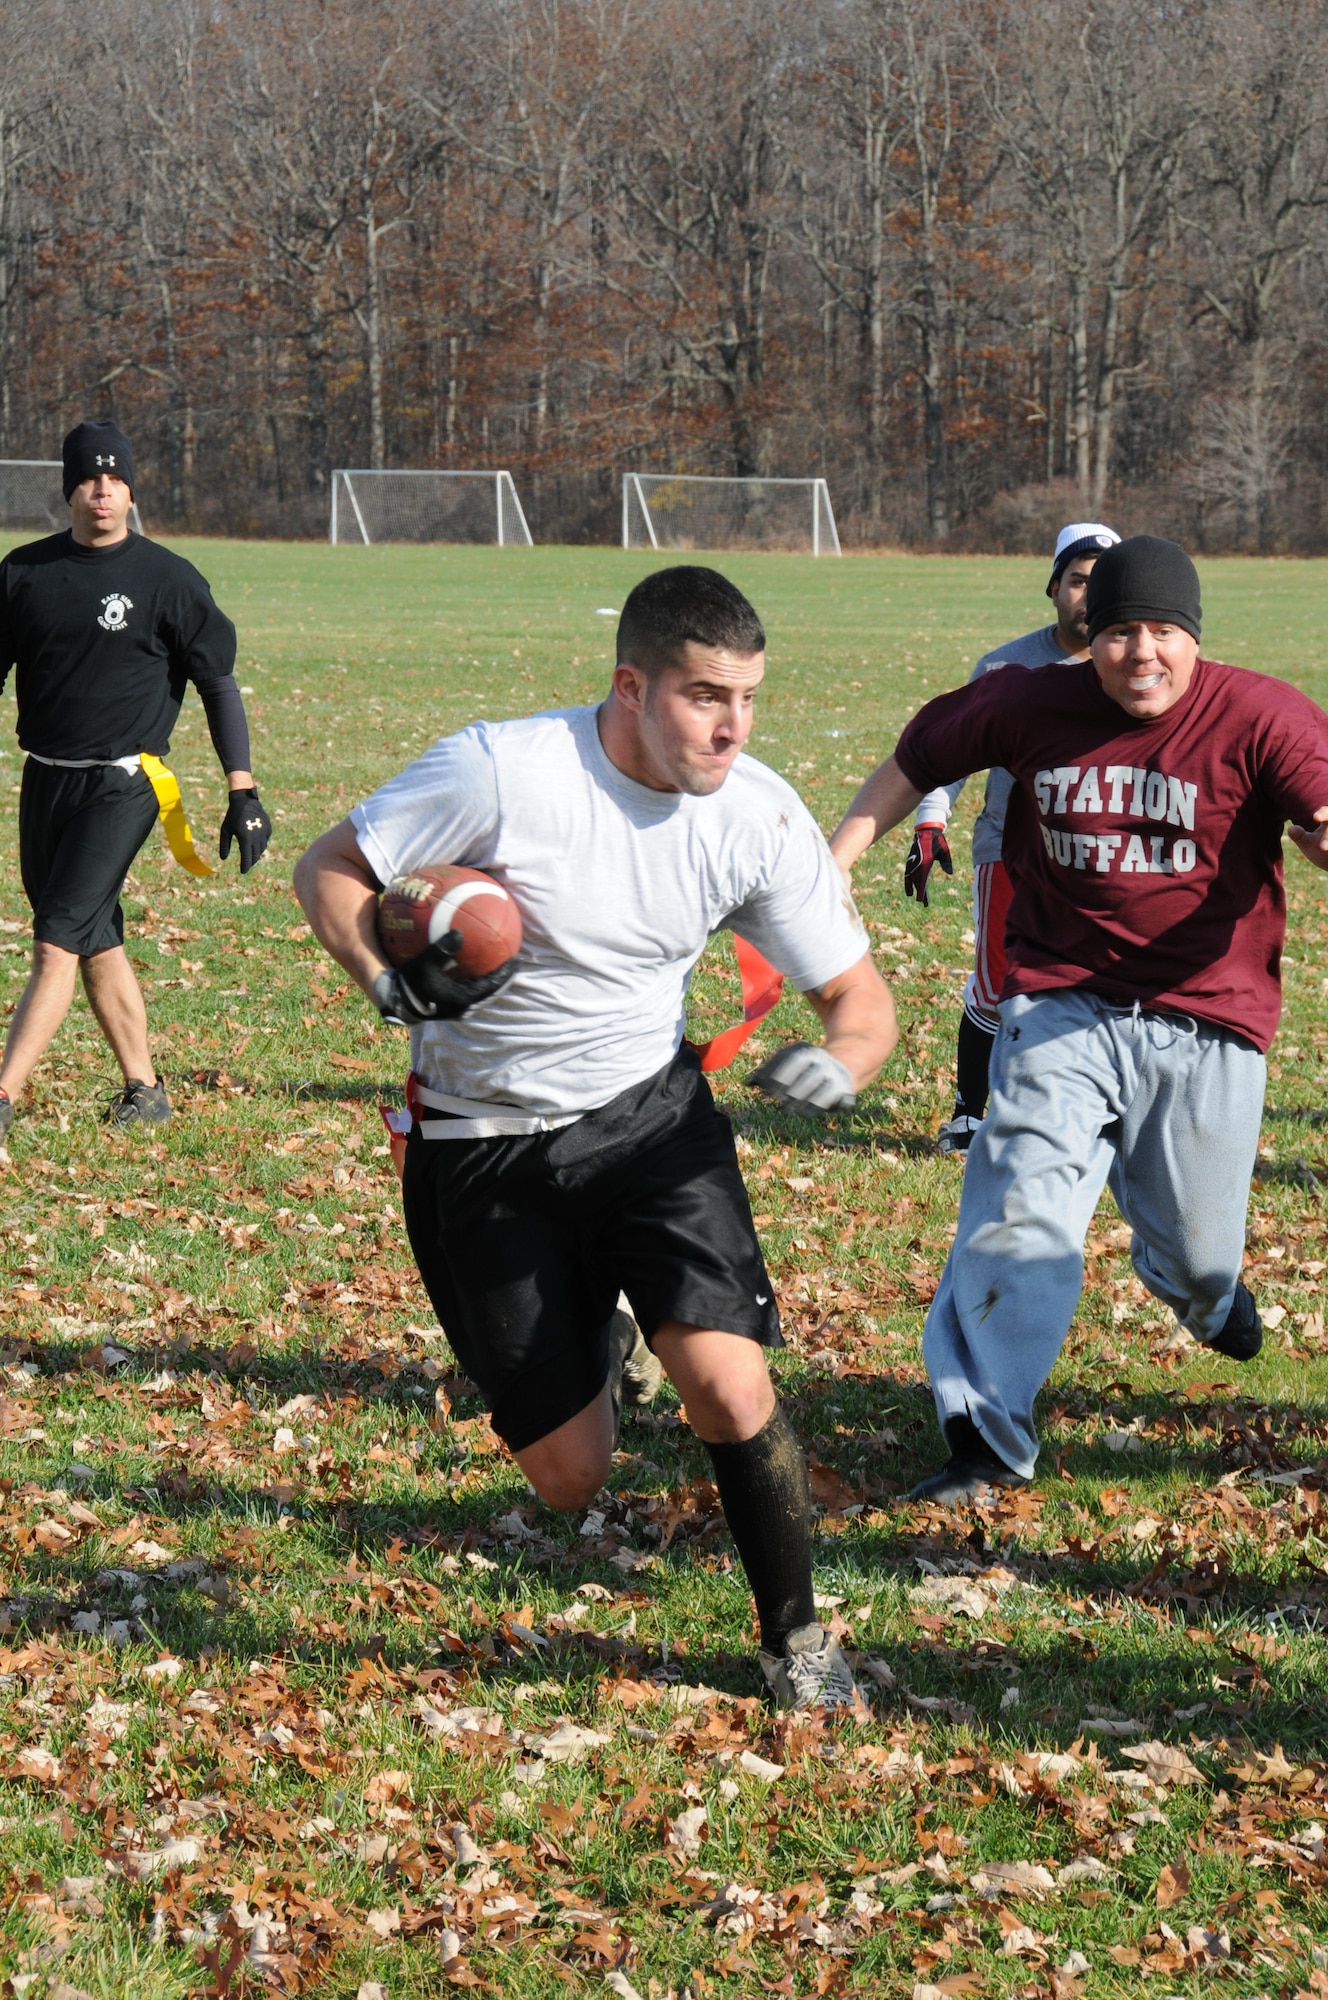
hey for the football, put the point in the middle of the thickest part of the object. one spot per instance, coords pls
(416, 910)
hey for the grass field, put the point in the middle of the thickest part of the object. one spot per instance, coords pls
(300, 1691)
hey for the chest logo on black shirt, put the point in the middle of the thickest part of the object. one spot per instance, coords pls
(114, 610)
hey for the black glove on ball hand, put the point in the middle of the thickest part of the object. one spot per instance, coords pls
(807, 1079)
(427, 990)
(247, 823)
(929, 848)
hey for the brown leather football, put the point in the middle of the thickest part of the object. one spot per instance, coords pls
(418, 909)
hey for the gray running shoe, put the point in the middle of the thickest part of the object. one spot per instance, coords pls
(956, 1135)
(138, 1103)
(6, 1116)
(811, 1672)
(634, 1373)
(641, 1374)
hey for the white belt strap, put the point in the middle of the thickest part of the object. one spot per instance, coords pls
(470, 1119)
(88, 763)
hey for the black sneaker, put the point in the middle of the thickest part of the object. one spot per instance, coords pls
(972, 1468)
(138, 1103)
(1241, 1335)
(6, 1115)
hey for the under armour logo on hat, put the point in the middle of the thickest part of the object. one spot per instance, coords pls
(92, 448)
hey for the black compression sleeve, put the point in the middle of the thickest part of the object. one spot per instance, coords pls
(226, 721)
(975, 1047)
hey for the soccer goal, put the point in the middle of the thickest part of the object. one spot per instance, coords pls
(32, 496)
(685, 511)
(427, 507)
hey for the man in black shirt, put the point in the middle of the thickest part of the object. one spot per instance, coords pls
(106, 629)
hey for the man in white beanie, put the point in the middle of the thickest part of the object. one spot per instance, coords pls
(1078, 546)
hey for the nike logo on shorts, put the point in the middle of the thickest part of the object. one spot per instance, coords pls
(761, 1299)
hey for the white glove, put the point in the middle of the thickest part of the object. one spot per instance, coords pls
(806, 1079)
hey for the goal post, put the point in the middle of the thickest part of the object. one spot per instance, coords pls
(663, 510)
(426, 506)
(32, 496)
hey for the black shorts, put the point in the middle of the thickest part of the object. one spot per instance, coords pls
(78, 833)
(525, 1243)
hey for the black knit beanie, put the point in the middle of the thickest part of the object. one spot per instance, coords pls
(93, 448)
(1146, 579)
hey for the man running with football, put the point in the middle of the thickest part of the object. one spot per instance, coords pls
(1063, 644)
(1142, 989)
(573, 1151)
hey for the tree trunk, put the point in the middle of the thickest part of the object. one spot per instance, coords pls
(1078, 439)
(373, 333)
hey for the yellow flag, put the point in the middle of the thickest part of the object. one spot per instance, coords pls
(167, 787)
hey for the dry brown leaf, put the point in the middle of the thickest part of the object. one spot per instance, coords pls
(1173, 1885)
(387, 1786)
(1164, 1763)
(39, 1765)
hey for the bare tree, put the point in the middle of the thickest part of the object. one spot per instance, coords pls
(1092, 113)
(695, 176)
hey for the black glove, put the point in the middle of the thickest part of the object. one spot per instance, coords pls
(427, 990)
(929, 847)
(246, 822)
(807, 1079)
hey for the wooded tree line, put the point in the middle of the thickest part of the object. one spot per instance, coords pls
(980, 263)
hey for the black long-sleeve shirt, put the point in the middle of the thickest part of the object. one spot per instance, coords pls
(106, 641)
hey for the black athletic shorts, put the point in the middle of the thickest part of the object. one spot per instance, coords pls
(78, 833)
(525, 1243)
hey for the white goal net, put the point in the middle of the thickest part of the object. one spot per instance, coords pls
(684, 511)
(427, 507)
(31, 497)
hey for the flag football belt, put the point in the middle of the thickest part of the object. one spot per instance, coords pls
(466, 1119)
(167, 788)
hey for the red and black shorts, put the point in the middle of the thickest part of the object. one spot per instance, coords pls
(525, 1243)
(993, 892)
(78, 833)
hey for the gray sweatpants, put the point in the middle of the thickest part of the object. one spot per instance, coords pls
(1083, 1092)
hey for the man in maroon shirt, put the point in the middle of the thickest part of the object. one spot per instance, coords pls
(1144, 840)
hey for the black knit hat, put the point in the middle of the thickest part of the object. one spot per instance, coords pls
(93, 448)
(1146, 579)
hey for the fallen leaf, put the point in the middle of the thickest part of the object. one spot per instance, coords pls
(955, 1594)
(37, 1764)
(387, 1786)
(1085, 1868)
(1164, 1764)
(760, 1767)
(685, 1833)
(567, 1744)
(1013, 1877)
(1173, 1884)
(143, 1862)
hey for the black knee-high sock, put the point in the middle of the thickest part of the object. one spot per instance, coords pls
(975, 1047)
(763, 1490)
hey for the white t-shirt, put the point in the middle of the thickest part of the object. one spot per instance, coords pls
(619, 888)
